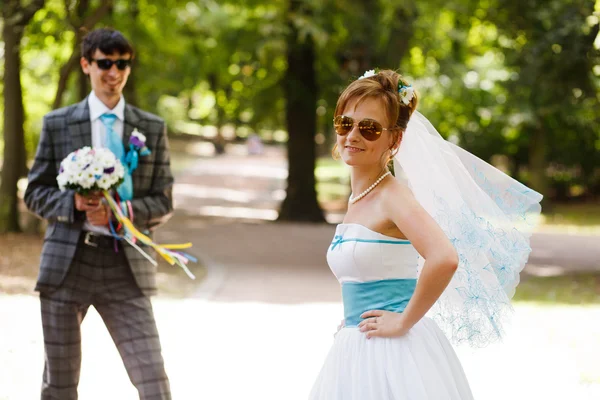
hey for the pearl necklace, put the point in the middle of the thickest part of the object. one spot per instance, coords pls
(366, 192)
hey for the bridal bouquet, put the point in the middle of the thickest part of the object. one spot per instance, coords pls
(89, 170)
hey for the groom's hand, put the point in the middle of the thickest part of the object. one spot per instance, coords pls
(98, 216)
(88, 202)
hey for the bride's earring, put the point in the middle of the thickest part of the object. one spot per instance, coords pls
(335, 153)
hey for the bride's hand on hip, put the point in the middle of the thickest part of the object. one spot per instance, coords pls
(378, 323)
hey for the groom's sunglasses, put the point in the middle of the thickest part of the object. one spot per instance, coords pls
(368, 128)
(106, 64)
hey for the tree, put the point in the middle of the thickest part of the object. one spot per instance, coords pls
(550, 47)
(81, 20)
(16, 16)
(514, 83)
(300, 88)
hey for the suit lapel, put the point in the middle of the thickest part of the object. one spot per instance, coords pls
(131, 122)
(80, 127)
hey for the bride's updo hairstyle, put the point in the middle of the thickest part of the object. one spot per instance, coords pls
(397, 96)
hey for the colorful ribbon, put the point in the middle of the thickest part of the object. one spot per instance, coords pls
(132, 234)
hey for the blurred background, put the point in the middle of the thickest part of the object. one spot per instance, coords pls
(248, 89)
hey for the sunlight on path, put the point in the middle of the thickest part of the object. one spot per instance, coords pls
(270, 351)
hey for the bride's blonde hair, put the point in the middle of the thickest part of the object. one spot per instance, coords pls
(382, 85)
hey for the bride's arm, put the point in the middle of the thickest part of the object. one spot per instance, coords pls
(441, 260)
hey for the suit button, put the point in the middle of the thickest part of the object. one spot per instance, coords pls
(62, 219)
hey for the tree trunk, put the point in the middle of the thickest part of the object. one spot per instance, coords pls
(130, 90)
(65, 72)
(14, 166)
(300, 89)
(538, 162)
(83, 7)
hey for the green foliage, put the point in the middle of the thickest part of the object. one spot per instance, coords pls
(493, 72)
(488, 72)
(552, 49)
(579, 289)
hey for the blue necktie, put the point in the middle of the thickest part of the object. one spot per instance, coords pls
(114, 143)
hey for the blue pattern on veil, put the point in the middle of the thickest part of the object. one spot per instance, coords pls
(490, 260)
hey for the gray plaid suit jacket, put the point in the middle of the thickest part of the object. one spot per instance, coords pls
(66, 130)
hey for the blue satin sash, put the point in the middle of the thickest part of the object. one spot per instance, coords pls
(388, 294)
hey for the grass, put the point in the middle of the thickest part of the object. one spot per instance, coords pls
(577, 218)
(582, 214)
(329, 169)
(333, 182)
(573, 289)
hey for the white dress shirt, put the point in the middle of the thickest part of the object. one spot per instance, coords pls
(97, 108)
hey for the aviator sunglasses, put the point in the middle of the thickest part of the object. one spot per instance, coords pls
(106, 64)
(368, 128)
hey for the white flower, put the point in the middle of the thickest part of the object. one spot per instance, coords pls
(79, 164)
(85, 168)
(111, 179)
(71, 178)
(368, 74)
(62, 180)
(105, 182)
(106, 158)
(96, 168)
(141, 137)
(406, 94)
(87, 181)
(119, 171)
(83, 151)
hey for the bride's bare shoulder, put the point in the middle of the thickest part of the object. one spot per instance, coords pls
(396, 189)
(398, 198)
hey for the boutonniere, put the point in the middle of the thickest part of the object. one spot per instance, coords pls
(138, 141)
(137, 148)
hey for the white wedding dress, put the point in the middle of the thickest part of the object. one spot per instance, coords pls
(379, 272)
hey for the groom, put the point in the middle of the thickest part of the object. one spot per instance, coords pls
(81, 264)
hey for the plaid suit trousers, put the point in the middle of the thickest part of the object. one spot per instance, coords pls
(100, 277)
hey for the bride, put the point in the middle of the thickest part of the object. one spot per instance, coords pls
(447, 234)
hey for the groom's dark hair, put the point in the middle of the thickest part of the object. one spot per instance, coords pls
(107, 41)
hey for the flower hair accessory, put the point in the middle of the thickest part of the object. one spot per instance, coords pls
(406, 92)
(368, 74)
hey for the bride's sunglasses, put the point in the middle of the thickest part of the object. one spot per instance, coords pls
(106, 64)
(368, 128)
